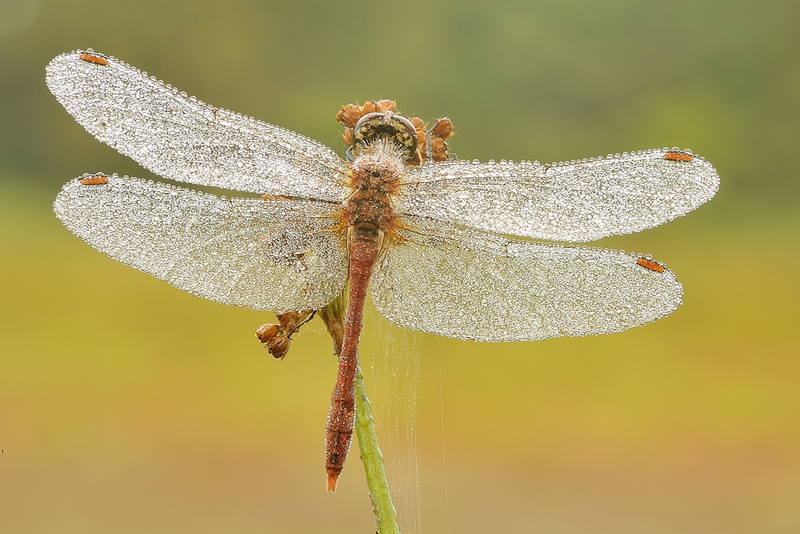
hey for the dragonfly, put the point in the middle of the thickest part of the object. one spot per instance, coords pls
(478, 251)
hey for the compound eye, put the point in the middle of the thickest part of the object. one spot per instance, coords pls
(394, 128)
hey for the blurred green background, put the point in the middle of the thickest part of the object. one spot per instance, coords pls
(129, 406)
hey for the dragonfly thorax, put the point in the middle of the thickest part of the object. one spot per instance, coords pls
(376, 173)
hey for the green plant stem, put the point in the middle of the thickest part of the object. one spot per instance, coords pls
(371, 456)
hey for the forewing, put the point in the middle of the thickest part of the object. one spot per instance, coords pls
(184, 139)
(469, 285)
(263, 254)
(576, 201)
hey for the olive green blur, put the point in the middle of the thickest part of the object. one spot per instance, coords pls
(128, 406)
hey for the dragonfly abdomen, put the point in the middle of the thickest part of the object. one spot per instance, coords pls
(364, 242)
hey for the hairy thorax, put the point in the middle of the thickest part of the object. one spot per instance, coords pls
(376, 175)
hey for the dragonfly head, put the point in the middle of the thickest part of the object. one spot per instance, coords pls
(387, 126)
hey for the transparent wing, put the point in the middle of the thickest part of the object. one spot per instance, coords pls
(470, 285)
(263, 254)
(576, 201)
(181, 138)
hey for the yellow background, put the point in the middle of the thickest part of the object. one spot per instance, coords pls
(129, 406)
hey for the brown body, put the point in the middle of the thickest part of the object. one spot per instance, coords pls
(383, 147)
(369, 219)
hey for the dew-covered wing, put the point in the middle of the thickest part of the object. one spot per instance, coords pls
(263, 254)
(470, 285)
(181, 138)
(576, 201)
